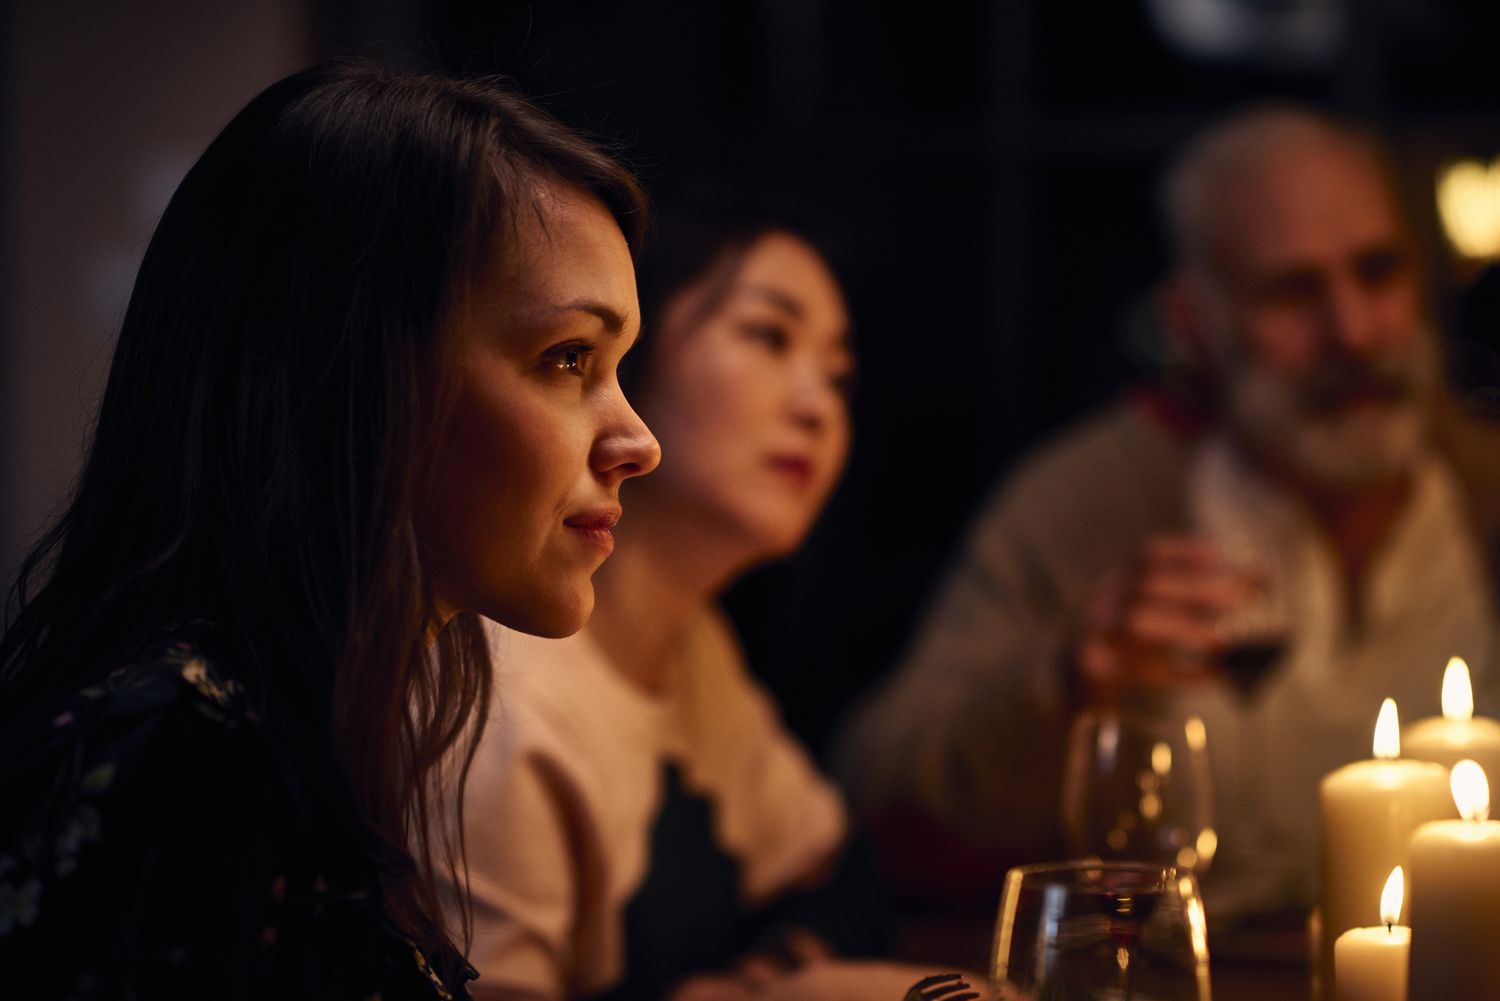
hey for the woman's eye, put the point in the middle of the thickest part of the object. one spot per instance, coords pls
(571, 359)
(770, 334)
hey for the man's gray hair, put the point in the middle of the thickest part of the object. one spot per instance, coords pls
(1206, 168)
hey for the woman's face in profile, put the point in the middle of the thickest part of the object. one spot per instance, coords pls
(529, 463)
(747, 391)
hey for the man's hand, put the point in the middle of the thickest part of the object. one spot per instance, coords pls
(1156, 622)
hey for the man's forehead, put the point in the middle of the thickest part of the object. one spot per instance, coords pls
(1305, 206)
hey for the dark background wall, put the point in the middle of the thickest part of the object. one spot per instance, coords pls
(103, 107)
(989, 168)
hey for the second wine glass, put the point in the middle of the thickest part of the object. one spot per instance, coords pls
(1137, 786)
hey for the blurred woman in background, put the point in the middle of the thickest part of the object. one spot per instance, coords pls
(640, 823)
(364, 389)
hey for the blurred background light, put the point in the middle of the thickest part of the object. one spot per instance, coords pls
(1264, 33)
(1468, 200)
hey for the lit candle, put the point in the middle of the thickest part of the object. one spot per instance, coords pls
(1455, 735)
(1455, 904)
(1370, 963)
(1370, 810)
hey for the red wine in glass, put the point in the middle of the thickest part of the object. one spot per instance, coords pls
(1128, 910)
(1249, 661)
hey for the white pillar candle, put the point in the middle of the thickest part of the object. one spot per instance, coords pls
(1456, 735)
(1455, 904)
(1370, 811)
(1370, 963)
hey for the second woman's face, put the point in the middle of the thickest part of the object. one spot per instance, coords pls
(748, 393)
(528, 466)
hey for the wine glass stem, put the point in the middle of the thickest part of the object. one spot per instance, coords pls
(1125, 957)
(1253, 778)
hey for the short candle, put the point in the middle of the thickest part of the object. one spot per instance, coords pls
(1370, 963)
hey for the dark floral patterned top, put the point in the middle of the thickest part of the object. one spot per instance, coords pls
(155, 844)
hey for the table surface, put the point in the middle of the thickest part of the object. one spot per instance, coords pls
(1266, 964)
(1239, 980)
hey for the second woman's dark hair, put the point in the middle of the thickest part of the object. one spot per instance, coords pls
(261, 446)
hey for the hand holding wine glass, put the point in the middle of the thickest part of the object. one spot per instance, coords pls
(1254, 634)
(1160, 620)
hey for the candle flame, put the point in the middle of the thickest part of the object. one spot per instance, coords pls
(1458, 692)
(1387, 731)
(1392, 897)
(1471, 791)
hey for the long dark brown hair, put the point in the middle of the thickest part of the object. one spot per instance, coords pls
(266, 426)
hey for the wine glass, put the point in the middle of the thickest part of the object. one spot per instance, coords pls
(1092, 930)
(1137, 786)
(1256, 633)
(1254, 534)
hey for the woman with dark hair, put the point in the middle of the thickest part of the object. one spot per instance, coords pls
(640, 823)
(364, 389)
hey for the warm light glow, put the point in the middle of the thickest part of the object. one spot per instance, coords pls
(1391, 897)
(1471, 791)
(1197, 733)
(1468, 198)
(1458, 691)
(1197, 926)
(1387, 731)
(1161, 758)
(1208, 843)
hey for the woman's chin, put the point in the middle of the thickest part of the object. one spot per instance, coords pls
(778, 540)
(562, 615)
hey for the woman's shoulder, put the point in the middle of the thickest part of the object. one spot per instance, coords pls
(173, 690)
(163, 840)
(122, 794)
(173, 703)
(167, 730)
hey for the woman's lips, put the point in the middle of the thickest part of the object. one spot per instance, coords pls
(593, 527)
(795, 469)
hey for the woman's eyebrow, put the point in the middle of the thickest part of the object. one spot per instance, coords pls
(614, 320)
(777, 298)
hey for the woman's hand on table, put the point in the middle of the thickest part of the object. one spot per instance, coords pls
(712, 987)
(857, 980)
(756, 973)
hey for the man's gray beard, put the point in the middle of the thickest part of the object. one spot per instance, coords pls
(1357, 448)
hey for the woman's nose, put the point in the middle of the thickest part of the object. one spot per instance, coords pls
(627, 448)
(815, 401)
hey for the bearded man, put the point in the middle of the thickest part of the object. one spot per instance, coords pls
(1315, 508)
